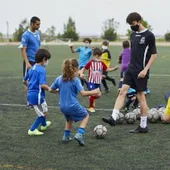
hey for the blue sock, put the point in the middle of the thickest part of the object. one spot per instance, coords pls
(80, 130)
(67, 133)
(120, 84)
(36, 123)
(43, 118)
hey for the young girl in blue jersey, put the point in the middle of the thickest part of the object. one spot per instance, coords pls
(36, 77)
(69, 86)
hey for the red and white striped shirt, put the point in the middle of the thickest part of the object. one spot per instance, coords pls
(95, 69)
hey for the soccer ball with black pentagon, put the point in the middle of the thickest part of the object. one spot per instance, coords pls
(130, 118)
(153, 115)
(100, 131)
(120, 118)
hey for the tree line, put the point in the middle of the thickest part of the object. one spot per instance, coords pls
(109, 31)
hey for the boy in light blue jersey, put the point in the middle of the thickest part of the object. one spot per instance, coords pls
(69, 86)
(35, 80)
(30, 43)
(84, 53)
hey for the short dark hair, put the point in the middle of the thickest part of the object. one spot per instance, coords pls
(97, 51)
(87, 39)
(34, 19)
(106, 42)
(126, 44)
(42, 54)
(134, 16)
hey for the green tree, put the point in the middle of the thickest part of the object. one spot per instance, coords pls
(50, 33)
(70, 30)
(144, 23)
(167, 36)
(109, 29)
(23, 26)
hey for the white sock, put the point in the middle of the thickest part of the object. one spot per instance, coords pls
(115, 112)
(143, 121)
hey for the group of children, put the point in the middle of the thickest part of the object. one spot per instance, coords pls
(70, 83)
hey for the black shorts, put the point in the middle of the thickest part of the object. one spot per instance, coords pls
(24, 67)
(139, 84)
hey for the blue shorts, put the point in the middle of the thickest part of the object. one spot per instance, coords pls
(33, 98)
(75, 113)
(92, 86)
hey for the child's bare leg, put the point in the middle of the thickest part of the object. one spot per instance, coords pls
(84, 122)
(68, 126)
(81, 130)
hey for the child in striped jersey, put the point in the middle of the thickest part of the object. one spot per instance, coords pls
(95, 68)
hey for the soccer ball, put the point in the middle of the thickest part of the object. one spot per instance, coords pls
(100, 131)
(137, 113)
(153, 115)
(120, 118)
(130, 118)
(161, 111)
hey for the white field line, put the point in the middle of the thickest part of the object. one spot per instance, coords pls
(54, 76)
(53, 107)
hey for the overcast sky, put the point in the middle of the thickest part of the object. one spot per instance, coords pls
(88, 15)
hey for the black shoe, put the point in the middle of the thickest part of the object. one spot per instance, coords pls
(140, 130)
(110, 121)
(106, 90)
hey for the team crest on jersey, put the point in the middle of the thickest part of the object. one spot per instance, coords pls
(142, 40)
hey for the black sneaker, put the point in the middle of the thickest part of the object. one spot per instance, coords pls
(140, 130)
(110, 121)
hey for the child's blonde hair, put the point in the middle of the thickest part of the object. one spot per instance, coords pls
(70, 66)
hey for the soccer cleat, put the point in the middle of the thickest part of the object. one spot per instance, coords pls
(79, 138)
(35, 132)
(110, 121)
(140, 130)
(91, 110)
(66, 139)
(43, 128)
(106, 90)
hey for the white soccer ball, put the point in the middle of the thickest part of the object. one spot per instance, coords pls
(120, 118)
(137, 113)
(161, 111)
(130, 118)
(100, 131)
(153, 115)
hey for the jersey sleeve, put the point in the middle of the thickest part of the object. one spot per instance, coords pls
(24, 40)
(55, 84)
(87, 66)
(78, 50)
(78, 85)
(104, 66)
(42, 77)
(152, 44)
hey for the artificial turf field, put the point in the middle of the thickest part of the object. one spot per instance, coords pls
(119, 150)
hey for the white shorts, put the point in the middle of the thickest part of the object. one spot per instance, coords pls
(41, 109)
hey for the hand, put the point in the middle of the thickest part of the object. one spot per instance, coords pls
(142, 74)
(97, 91)
(28, 66)
(82, 75)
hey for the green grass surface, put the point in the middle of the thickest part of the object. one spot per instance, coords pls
(119, 150)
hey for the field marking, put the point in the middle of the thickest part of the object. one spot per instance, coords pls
(54, 76)
(53, 107)
(7, 166)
